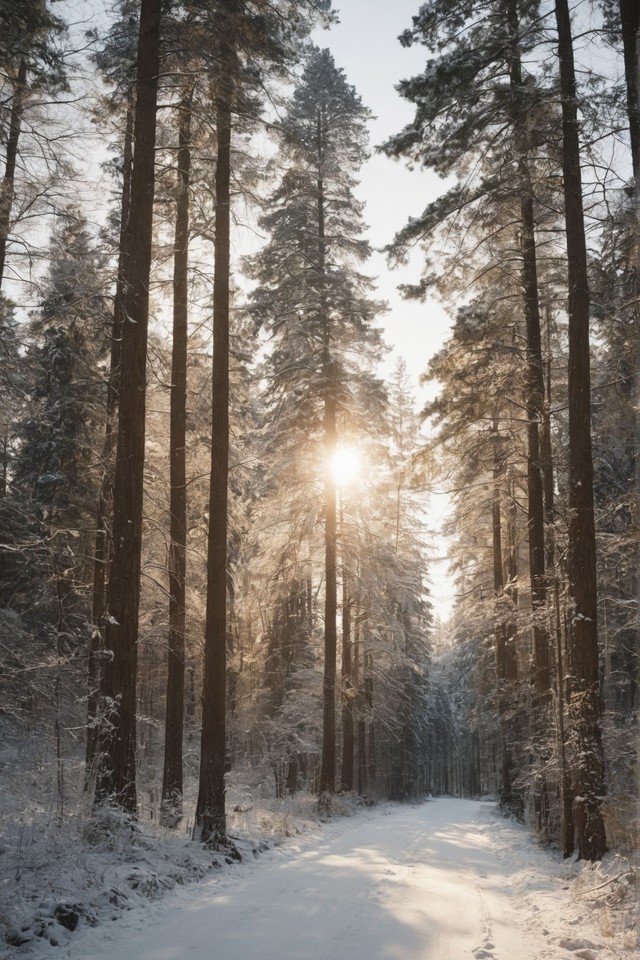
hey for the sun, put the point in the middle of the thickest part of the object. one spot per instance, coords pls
(346, 465)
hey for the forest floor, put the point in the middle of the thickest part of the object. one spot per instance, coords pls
(447, 879)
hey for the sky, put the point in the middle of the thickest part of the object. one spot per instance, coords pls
(365, 45)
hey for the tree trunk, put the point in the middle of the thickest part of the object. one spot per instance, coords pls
(328, 765)
(506, 671)
(328, 769)
(371, 751)
(116, 778)
(630, 22)
(358, 684)
(210, 821)
(7, 187)
(171, 805)
(540, 717)
(104, 541)
(566, 794)
(589, 779)
(347, 684)
(546, 453)
(535, 414)
(4, 463)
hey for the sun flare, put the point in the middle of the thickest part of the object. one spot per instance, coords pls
(346, 465)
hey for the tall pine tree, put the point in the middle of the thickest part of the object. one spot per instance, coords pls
(318, 311)
(116, 777)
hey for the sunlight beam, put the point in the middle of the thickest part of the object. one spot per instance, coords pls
(346, 465)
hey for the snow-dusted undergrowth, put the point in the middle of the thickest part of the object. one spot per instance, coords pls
(56, 878)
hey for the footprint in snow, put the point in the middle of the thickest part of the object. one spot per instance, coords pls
(580, 948)
(485, 951)
(389, 873)
(567, 943)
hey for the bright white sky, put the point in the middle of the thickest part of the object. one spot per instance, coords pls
(365, 45)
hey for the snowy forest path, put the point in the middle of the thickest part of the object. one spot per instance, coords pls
(444, 880)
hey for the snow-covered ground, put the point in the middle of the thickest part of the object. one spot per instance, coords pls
(445, 880)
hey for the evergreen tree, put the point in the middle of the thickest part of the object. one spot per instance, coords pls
(115, 60)
(12, 384)
(479, 447)
(116, 778)
(47, 521)
(172, 773)
(317, 309)
(251, 38)
(393, 589)
(56, 460)
(489, 110)
(615, 279)
(31, 65)
(589, 779)
(483, 114)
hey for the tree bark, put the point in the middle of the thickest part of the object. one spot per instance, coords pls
(328, 768)
(630, 22)
(358, 683)
(7, 190)
(4, 463)
(566, 793)
(546, 453)
(328, 765)
(535, 414)
(540, 719)
(116, 777)
(347, 683)
(171, 804)
(210, 820)
(506, 668)
(371, 750)
(104, 541)
(589, 778)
